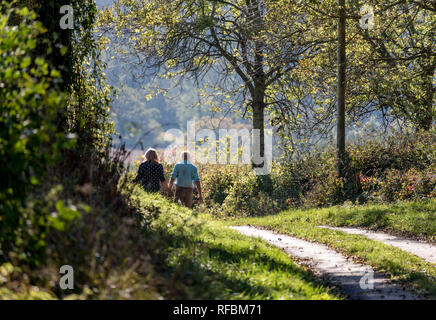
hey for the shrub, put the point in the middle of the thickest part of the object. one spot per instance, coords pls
(400, 185)
(244, 196)
(218, 180)
(399, 167)
(397, 151)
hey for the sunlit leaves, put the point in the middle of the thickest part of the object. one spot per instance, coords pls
(28, 103)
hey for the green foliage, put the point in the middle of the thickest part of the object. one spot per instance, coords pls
(398, 151)
(402, 166)
(90, 96)
(29, 102)
(247, 198)
(414, 219)
(235, 190)
(14, 287)
(142, 246)
(217, 181)
(397, 167)
(106, 241)
(390, 69)
(41, 173)
(247, 48)
(401, 185)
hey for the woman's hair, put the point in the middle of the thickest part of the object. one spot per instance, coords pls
(151, 155)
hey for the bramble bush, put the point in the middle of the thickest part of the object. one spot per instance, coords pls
(400, 167)
(400, 185)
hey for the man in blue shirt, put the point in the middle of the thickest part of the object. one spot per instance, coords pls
(185, 175)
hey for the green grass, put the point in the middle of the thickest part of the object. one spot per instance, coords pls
(401, 265)
(207, 260)
(414, 219)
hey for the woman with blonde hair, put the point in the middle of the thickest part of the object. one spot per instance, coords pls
(151, 173)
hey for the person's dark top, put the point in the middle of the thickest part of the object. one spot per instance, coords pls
(150, 174)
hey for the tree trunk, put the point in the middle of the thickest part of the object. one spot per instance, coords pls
(341, 155)
(259, 160)
(258, 151)
(258, 76)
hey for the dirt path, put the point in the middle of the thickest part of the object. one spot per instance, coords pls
(325, 262)
(424, 250)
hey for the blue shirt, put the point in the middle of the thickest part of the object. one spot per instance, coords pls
(185, 173)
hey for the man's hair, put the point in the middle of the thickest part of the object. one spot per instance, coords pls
(151, 155)
(185, 155)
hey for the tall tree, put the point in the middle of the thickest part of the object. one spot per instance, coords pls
(341, 64)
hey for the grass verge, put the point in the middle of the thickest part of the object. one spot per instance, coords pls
(207, 260)
(412, 219)
(402, 266)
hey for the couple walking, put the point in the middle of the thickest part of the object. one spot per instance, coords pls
(184, 176)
